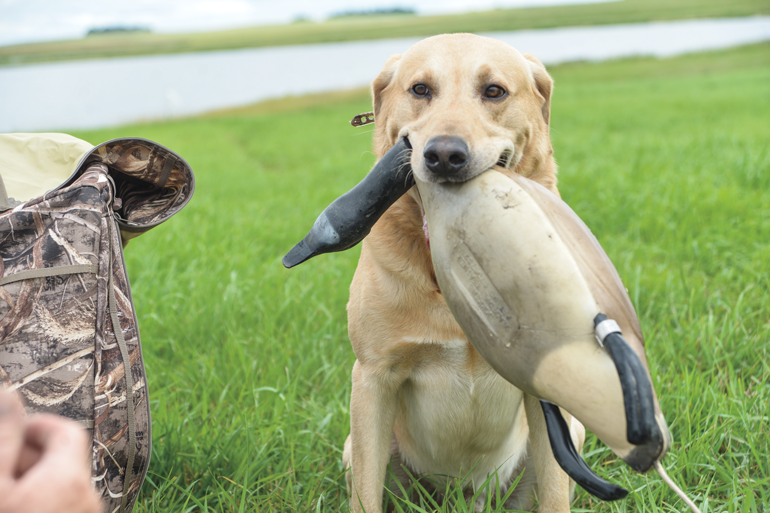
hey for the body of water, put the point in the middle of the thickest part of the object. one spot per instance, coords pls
(98, 93)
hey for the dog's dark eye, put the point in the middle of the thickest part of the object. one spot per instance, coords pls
(494, 92)
(420, 90)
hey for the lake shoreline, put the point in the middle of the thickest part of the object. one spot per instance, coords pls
(108, 92)
(382, 27)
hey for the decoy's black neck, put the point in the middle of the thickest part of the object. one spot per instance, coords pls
(346, 222)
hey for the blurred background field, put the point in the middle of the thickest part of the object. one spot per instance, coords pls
(363, 27)
(249, 364)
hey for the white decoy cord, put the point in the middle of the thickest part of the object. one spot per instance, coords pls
(674, 487)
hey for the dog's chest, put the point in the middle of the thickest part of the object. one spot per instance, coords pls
(455, 409)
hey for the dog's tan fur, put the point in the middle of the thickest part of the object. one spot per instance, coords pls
(422, 395)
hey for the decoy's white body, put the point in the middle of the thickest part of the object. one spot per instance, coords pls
(525, 278)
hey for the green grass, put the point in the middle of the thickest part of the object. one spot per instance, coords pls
(249, 364)
(378, 27)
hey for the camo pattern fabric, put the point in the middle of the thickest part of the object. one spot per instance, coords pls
(153, 182)
(58, 350)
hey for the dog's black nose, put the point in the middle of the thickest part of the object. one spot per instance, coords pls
(446, 155)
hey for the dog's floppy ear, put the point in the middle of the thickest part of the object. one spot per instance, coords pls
(383, 81)
(382, 140)
(543, 83)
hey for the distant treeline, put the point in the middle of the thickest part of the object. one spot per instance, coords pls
(117, 29)
(375, 12)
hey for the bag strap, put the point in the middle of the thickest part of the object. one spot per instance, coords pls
(118, 330)
(49, 271)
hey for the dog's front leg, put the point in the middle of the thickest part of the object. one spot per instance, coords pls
(372, 416)
(553, 484)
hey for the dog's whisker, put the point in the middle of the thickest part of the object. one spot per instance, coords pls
(405, 152)
(409, 177)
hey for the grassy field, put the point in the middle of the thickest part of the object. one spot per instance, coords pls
(378, 27)
(249, 364)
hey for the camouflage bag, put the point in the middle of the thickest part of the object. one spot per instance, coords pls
(69, 339)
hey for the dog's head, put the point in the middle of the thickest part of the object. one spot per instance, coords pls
(466, 103)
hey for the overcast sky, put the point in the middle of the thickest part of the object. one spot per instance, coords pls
(23, 21)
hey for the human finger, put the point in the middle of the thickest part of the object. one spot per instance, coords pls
(11, 431)
(29, 455)
(57, 438)
(62, 469)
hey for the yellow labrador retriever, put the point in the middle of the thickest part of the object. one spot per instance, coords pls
(423, 397)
